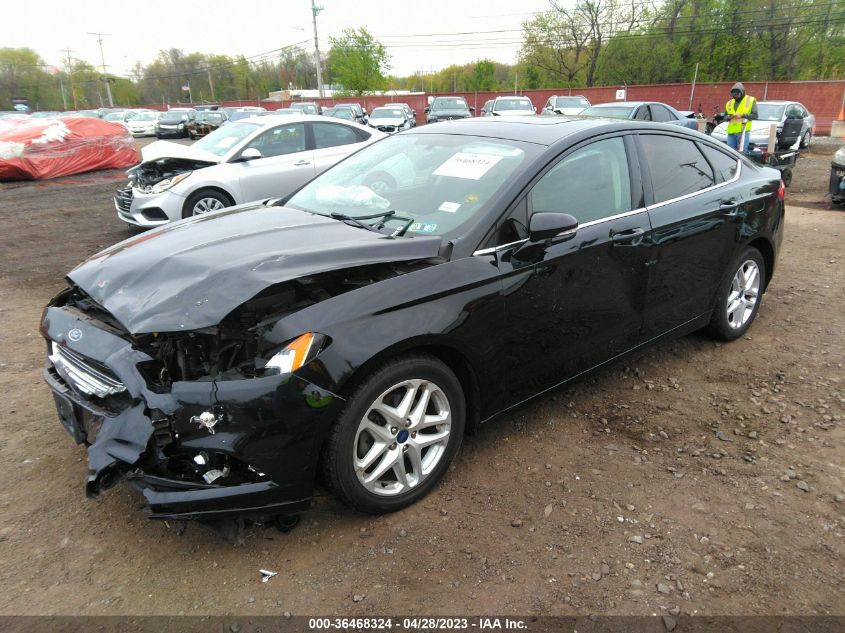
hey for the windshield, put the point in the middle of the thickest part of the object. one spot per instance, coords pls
(388, 113)
(449, 104)
(571, 102)
(307, 108)
(613, 112)
(113, 116)
(224, 138)
(439, 181)
(144, 116)
(209, 117)
(170, 116)
(512, 104)
(340, 113)
(766, 112)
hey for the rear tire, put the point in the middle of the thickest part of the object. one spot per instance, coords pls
(400, 430)
(806, 139)
(739, 298)
(380, 182)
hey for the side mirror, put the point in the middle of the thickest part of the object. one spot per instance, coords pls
(471, 109)
(427, 110)
(250, 153)
(545, 226)
(542, 229)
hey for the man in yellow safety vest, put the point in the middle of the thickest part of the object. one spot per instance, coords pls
(740, 110)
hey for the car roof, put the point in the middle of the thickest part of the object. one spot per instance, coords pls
(545, 130)
(775, 102)
(628, 104)
(270, 120)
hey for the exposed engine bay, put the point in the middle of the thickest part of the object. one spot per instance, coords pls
(147, 174)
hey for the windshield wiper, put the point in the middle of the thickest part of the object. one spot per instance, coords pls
(356, 221)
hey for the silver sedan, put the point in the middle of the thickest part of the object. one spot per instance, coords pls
(251, 159)
(779, 112)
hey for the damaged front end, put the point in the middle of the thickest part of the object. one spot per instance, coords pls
(210, 423)
(148, 198)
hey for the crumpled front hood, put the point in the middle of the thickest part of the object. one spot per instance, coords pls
(190, 274)
(169, 149)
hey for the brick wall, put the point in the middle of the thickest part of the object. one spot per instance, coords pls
(823, 98)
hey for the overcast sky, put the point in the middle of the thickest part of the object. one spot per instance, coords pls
(418, 35)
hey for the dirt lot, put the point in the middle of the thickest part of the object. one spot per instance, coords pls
(614, 497)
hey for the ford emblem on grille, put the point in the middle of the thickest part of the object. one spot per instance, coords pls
(75, 334)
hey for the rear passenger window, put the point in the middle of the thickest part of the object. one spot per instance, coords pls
(723, 165)
(590, 184)
(677, 166)
(660, 114)
(332, 135)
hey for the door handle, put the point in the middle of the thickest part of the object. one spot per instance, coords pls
(631, 237)
(730, 207)
(301, 163)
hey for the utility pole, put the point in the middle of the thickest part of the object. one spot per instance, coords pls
(103, 59)
(210, 83)
(70, 75)
(314, 11)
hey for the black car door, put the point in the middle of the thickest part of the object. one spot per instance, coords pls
(696, 211)
(577, 300)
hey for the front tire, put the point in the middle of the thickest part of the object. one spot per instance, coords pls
(400, 430)
(739, 298)
(205, 201)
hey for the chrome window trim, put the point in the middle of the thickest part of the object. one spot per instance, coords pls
(493, 249)
(610, 218)
(699, 192)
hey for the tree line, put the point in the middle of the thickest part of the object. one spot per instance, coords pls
(588, 43)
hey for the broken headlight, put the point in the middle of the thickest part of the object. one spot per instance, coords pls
(300, 351)
(167, 183)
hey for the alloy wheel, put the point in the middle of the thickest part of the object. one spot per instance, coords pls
(402, 437)
(204, 205)
(744, 294)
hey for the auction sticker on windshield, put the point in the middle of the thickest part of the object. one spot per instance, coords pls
(467, 165)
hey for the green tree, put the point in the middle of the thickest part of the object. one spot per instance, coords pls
(358, 62)
(483, 75)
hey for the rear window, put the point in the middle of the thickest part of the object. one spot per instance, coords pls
(724, 165)
(677, 166)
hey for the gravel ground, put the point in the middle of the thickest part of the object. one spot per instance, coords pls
(701, 478)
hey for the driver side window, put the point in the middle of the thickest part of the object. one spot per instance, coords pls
(284, 139)
(590, 184)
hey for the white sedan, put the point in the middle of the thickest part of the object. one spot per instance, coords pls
(251, 159)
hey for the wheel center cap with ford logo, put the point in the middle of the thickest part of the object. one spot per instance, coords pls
(402, 437)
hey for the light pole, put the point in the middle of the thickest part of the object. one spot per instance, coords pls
(314, 11)
(103, 59)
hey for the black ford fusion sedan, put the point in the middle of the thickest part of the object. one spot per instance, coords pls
(354, 331)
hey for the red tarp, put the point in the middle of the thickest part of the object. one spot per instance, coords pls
(35, 148)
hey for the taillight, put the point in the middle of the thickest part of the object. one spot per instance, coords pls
(781, 191)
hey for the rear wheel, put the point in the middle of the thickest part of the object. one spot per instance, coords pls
(739, 299)
(399, 432)
(806, 139)
(380, 182)
(205, 201)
